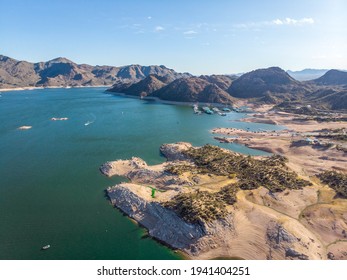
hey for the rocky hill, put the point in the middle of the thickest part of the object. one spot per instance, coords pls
(261, 82)
(222, 81)
(207, 89)
(142, 88)
(63, 72)
(331, 78)
(194, 89)
(328, 98)
(14, 73)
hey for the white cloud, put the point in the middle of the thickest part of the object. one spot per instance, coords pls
(276, 22)
(291, 21)
(149, 17)
(190, 32)
(159, 28)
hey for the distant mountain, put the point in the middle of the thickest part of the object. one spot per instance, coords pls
(14, 73)
(307, 74)
(264, 82)
(332, 78)
(63, 72)
(208, 89)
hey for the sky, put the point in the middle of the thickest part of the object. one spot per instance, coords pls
(196, 36)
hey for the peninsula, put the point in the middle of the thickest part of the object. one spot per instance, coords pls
(209, 202)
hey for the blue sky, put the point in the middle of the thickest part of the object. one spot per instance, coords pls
(201, 37)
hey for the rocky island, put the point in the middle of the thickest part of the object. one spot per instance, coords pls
(209, 202)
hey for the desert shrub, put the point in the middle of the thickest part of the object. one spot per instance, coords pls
(271, 172)
(335, 180)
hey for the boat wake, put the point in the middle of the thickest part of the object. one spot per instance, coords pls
(91, 121)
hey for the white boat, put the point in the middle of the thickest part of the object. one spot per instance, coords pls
(46, 247)
(196, 109)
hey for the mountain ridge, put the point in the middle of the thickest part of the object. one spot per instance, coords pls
(63, 72)
(332, 77)
(261, 82)
(270, 85)
(206, 89)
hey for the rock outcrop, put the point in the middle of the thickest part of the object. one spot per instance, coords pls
(175, 151)
(162, 223)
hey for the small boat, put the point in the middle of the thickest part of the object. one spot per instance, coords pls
(207, 110)
(226, 109)
(46, 247)
(196, 109)
(215, 109)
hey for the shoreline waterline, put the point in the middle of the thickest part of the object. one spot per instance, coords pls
(168, 102)
(50, 87)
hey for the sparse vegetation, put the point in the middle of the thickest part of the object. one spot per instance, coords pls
(179, 169)
(203, 206)
(335, 180)
(330, 119)
(270, 173)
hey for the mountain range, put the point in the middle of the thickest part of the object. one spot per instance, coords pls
(271, 85)
(63, 72)
(307, 74)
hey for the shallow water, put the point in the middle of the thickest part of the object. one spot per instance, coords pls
(51, 191)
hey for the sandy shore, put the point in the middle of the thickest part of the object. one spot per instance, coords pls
(291, 121)
(19, 88)
(32, 88)
(305, 157)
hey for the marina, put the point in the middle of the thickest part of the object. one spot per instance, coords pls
(212, 110)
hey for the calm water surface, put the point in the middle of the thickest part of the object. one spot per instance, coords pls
(51, 191)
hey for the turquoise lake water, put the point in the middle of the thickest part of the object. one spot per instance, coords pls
(51, 190)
